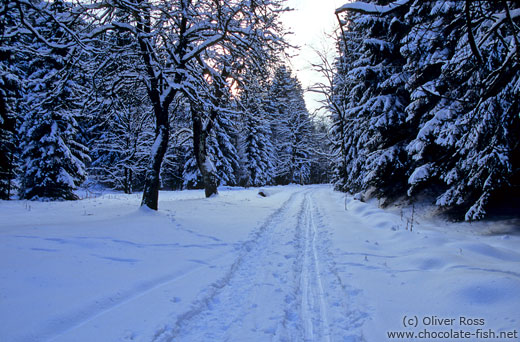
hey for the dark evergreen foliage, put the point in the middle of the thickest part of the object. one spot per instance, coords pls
(430, 103)
(10, 90)
(51, 156)
(257, 150)
(292, 129)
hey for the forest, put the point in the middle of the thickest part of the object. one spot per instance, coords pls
(422, 100)
(142, 96)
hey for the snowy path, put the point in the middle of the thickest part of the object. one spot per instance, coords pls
(302, 264)
(276, 289)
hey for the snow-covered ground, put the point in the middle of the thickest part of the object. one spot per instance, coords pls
(302, 264)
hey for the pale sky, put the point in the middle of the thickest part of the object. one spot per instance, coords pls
(310, 21)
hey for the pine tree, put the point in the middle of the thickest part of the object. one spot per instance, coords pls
(8, 148)
(484, 74)
(10, 88)
(463, 99)
(52, 159)
(374, 113)
(434, 109)
(221, 152)
(257, 149)
(321, 166)
(291, 127)
(52, 162)
(225, 151)
(435, 31)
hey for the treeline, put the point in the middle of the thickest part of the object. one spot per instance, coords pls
(425, 98)
(145, 95)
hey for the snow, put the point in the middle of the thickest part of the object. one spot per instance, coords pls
(157, 143)
(209, 166)
(303, 263)
(370, 8)
(380, 43)
(419, 174)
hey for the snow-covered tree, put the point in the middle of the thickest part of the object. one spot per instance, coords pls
(474, 125)
(321, 165)
(121, 127)
(7, 138)
(221, 152)
(435, 29)
(291, 127)
(429, 103)
(374, 114)
(335, 89)
(121, 141)
(224, 148)
(180, 149)
(10, 85)
(180, 45)
(52, 158)
(256, 147)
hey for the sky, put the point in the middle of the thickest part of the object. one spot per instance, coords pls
(310, 22)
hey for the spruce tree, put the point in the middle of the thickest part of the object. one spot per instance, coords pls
(429, 94)
(484, 73)
(257, 148)
(428, 112)
(9, 88)
(11, 83)
(52, 159)
(291, 127)
(222, 154)
(374, 123)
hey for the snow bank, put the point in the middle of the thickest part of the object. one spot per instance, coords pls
(426, 268)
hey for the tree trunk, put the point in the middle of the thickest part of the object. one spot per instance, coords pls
(152, 181)
(206, 166)
(209, 177)
(125, 184)
(128, 180)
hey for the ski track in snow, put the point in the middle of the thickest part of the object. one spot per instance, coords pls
(282, 286)
(313, 296)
